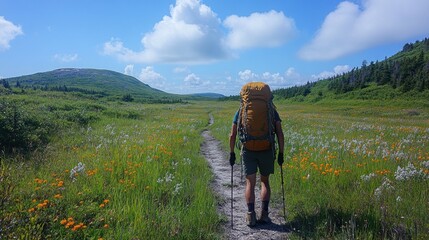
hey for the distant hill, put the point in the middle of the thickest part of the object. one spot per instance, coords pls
(404, 75)
(90, 81)
(208, 95)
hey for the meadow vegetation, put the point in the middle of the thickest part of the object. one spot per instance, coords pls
(78, 168)
(108, 170)
(353, 169)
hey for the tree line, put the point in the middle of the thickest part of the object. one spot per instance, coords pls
(410, 72)
(407, 71)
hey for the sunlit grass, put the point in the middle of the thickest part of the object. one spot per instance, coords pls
(136, 172)
(354, 171)
(119, 178)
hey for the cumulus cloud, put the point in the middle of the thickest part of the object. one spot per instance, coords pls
(66, 57)
(193, 80)
(289, 78)
(8, 32)
(269, 29)
(191, 34)
(351, 28)
(338, 70)
(129, 70)
(149, 76)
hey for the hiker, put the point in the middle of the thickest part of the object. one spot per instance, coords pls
(257, 153)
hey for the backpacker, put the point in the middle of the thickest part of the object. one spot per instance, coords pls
(256, 117)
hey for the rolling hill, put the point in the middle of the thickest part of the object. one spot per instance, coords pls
(403, 76)
(92, 81)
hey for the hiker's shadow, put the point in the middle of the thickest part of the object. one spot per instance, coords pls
(273, 227)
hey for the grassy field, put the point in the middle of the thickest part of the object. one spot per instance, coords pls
(352, 170)
(115, 170)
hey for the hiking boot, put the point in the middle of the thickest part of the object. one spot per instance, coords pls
(263, 217)
(251, 219)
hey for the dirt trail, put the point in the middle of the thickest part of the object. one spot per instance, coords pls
(218, 161)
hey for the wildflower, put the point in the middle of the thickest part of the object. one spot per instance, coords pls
(106, 226)
(63, 222)
(408, 172)
(80, 168)
(60, 184)
(386, 186)
(57, 196)
(425, 164)
(177, 188)
(368, 177)
(78, 226)
(106, 201)
(31, 210)
(102, 205)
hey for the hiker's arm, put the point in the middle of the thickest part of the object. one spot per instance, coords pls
(232, 137)
(280, 136)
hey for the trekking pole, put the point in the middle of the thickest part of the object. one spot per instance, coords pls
(283, 192)
(242, 169)
(232, 197)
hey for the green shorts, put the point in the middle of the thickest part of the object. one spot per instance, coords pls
(262, 160)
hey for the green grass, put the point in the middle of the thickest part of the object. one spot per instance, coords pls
(342, 168)
(144, 177)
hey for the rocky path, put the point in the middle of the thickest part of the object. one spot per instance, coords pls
(218, 161)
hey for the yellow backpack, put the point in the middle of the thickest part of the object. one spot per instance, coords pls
(256, 117)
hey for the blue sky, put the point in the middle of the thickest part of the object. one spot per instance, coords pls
(194, 46)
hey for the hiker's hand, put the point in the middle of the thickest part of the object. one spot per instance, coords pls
(280, 159)
(232, 158)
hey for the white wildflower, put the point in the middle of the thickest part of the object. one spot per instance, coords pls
(80, 168)
(368, 177)
(408, 172)
(187, 161)
(167, 178)
(177, 188)
(385, 188)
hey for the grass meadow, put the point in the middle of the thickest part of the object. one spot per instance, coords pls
(134, 171)
(352, 170)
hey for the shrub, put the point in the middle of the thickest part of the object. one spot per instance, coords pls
(22, 130)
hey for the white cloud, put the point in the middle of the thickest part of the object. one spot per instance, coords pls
(193, 80)
(351, 28)
(191, 34)
(275, 80)
(269, 29)
(8, 32)
(338, 70)
(129, 70)
(149, 76)
(247, 76)
(66, 57)
(180, 70)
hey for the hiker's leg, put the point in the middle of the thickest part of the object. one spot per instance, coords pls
(250, 188)
(265, 188)
(250, 199)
